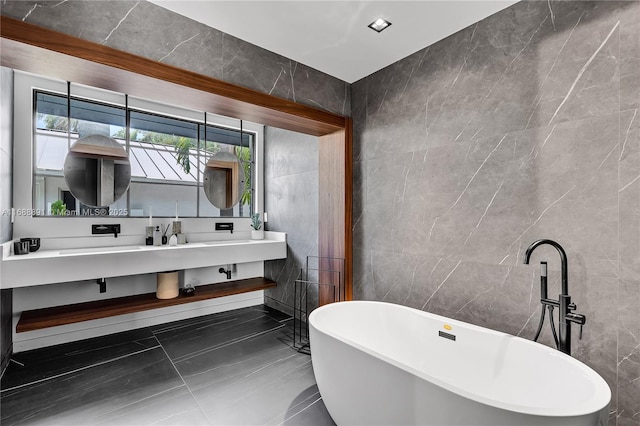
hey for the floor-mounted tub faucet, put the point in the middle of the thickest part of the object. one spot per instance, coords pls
(566, 316)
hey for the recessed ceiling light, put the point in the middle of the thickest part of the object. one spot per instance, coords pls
(379, 24)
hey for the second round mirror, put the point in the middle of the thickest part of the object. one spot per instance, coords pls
(223, 180)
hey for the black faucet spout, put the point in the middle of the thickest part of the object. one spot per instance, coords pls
(102, 282)
(563, 260)
(227, 271)
(106, 229)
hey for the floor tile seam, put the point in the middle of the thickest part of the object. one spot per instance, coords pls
(271, 364)
(312, 396)
(3, 370)
(233, 322)
(120, 344)
(246, 378)
(285, 320)
(257, 318)
(192, 355)
(86, 367)
(6, 365)
(204, 413)
(34, 355)
(143, 399)
(204, 323)
(35, 413)
(223, 317)
(236, 378)
(305, 408)
(178, 414)
(268, 315)
(188, 325)
(241, 377)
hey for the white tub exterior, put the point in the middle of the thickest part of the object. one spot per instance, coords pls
(385, 364)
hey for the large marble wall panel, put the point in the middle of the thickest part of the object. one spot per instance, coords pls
(522, 126)
(148, 30)
(291, 201)
(628, 302)
(629, 59)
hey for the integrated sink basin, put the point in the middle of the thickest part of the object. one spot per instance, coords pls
(112, 249)
(227, 242)
(98, 249)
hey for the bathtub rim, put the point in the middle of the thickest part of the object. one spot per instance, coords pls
(601, 394)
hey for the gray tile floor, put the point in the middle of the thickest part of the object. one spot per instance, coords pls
(231, 368)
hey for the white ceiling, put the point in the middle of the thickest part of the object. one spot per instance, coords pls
(332, 36)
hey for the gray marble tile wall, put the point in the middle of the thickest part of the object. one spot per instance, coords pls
(291, 201)
(151, 31)
(6, 181)
(523, 126)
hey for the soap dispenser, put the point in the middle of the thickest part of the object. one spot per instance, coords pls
(148, 239)
(157, 237)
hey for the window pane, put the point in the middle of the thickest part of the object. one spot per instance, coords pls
(51, 146)
(164, 165)
(162, 198)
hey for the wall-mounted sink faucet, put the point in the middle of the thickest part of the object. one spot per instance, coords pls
(106, 229)
(226, 271)
(224, 226)
(566, 316)
(102, 282)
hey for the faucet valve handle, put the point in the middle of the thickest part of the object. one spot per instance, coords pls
(577, 319)
(580, 334)
(572, 307)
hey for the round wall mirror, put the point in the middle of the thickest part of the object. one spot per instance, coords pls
(97, 170)
(223, 180)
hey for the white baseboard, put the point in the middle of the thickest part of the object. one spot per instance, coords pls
(87, 329)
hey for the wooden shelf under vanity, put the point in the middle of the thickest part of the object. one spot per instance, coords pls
(68, 314)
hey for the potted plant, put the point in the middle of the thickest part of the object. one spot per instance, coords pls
(257, 233)
(59, 208)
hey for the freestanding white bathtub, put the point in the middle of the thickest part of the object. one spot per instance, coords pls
(383, 364)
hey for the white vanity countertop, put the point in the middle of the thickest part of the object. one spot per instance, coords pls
(76, 264)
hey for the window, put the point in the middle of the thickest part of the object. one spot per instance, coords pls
(58, 126)
(168, 150)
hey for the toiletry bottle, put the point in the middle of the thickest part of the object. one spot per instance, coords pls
(157, 237)
(148, 239)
